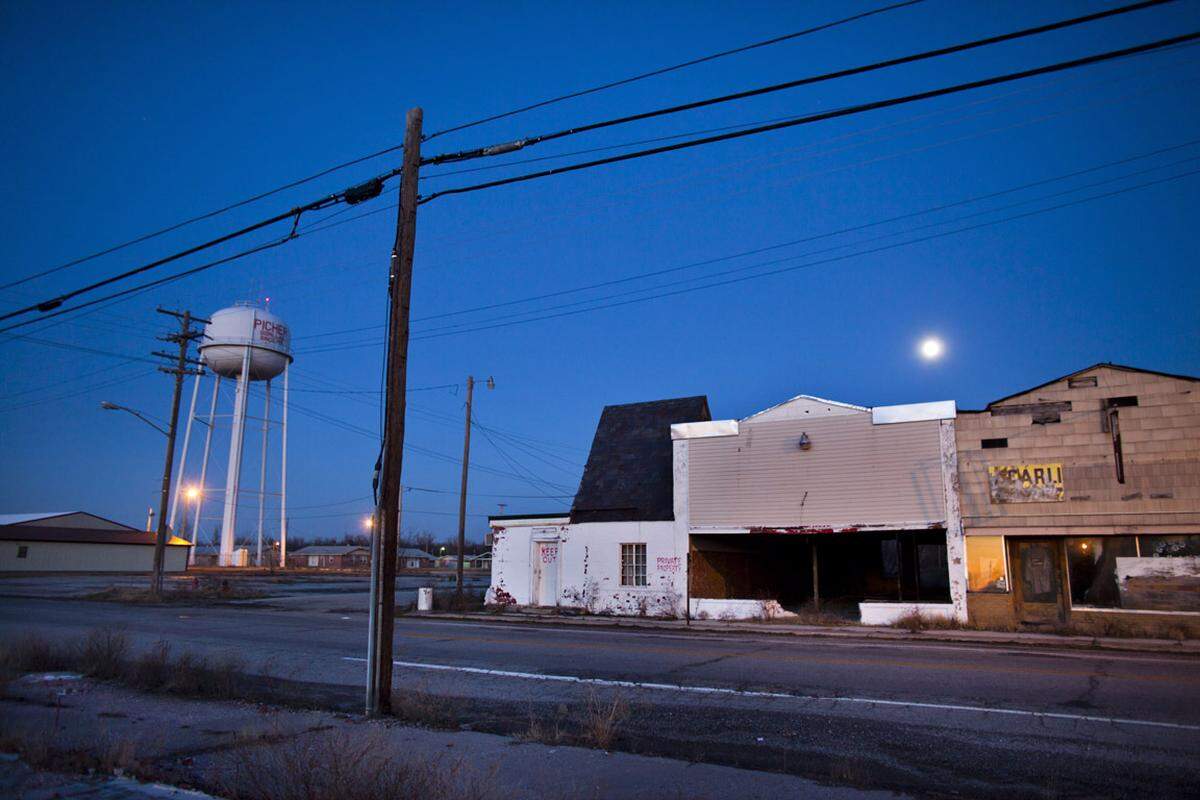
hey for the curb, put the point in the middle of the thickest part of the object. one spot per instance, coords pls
(1189, 647)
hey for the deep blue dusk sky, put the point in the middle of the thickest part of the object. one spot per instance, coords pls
(120, 118)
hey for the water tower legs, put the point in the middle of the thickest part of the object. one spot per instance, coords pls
(212, 417)
(283, 477)
(232, 481)
(262, 473)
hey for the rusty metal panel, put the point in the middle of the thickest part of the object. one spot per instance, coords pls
(854, 475)
(1026, 483)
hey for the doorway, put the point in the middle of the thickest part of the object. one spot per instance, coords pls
(545, 573)
(1038, 588)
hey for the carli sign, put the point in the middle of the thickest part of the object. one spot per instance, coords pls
(1026, 483)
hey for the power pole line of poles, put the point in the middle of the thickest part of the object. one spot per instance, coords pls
(383, 551)
(181, 368)
(462, 495)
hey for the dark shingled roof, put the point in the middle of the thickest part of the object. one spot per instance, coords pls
(628, 474)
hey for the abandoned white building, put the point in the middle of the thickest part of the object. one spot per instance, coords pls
(810, 502)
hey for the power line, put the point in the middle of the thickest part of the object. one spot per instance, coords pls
(806, 81)
(768, 248)
(673, 68)
(353, 195)
(201, 217)
(834, 114)
(821, 262)
(151, 284)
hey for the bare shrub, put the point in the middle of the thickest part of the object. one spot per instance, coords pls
(34, 653)
(603, 719)
(546, 730)
(104, 653)
(152, 670)
(453, 600)
(337, 764)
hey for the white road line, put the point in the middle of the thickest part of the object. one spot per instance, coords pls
(847, 641)
(867, 701)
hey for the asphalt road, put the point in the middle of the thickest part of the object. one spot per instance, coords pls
(935, 719)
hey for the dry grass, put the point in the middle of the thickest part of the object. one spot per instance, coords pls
(451, 600)
(40, 751)
(199, 591)
(603, 719)
(597, 723)
(420, 707)
(333, 764)
(106, 654)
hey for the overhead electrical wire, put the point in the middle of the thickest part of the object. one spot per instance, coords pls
(394, 148)
(821, 262)
(199, 218)
(827, 115)
(673, 68)
(499, 149)
(758, 250)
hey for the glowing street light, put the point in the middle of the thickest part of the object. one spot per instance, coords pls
(367, 522)
(192, 494)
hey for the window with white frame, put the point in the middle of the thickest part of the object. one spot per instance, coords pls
(633, 565)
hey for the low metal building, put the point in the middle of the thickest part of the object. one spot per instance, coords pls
(77, 541)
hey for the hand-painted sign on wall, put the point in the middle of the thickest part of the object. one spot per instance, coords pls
(1026, 483)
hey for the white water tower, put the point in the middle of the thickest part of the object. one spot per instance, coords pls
(247, 344)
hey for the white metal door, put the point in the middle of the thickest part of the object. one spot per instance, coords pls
(546, 573)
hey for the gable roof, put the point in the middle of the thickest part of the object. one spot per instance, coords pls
(628, 474)
(51, 533)
(413, 552)
(65, 519)
(805, 404)
(1104, 364)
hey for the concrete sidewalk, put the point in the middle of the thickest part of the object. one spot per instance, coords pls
(192, 743)
(853, 632)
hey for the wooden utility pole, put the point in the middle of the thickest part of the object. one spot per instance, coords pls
(462, 494)
(184, 340)
(383, 588)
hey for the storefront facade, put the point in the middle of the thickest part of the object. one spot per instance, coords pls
(1081, 504)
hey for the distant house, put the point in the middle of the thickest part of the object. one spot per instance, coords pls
(413, 558)
(480, 560)
(77, 541)
(329, 556)
(447, 561)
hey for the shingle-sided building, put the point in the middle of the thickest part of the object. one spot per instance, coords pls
(1081, 500)
(77, 541)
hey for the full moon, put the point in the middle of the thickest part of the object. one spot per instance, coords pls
(932, 349)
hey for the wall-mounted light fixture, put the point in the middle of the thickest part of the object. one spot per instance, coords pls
(805, 443)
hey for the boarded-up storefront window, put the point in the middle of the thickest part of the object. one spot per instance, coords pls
(985, 564)
(1092, 569)
(1165, 578)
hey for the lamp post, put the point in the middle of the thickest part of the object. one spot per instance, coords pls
(160, 540)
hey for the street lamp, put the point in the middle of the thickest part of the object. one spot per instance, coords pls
(107, 406)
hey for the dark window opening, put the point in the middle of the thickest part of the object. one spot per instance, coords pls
(1167, 546)
(989, 444)
(1121, 402)
(1092, 569)
(23, 551)
(1082, 383)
